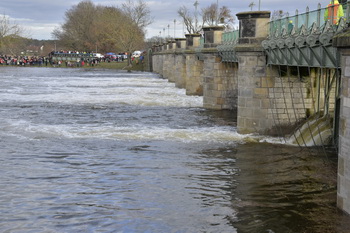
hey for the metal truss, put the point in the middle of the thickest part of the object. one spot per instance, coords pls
(227, 50)
(306, 47)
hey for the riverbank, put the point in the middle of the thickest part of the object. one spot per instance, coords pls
(102, 65)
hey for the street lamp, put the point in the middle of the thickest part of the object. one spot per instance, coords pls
(251, 5)
(217, 11)
(196, 14)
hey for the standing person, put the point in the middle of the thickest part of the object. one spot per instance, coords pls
(334, 12)
(290, 26)
(141, 58)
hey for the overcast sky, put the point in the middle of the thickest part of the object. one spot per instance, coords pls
(40, 17)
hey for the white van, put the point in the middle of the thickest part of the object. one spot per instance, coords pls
(136, 54)
(98, 55)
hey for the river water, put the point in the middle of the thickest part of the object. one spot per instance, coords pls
(111, 151)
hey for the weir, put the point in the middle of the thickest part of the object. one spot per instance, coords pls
(288, 78)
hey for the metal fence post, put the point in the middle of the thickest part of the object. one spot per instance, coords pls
(296, 19)
(347, 12)
(307, 17)
(319, 15)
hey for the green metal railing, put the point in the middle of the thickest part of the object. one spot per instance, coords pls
(227, 48)
(306, 20)
(231, 36)
(201, 42)
(305, 40)
(227, 37)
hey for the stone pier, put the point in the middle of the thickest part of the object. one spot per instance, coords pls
(194, 66)
(220, 78)
(342, 41)
(253, 78)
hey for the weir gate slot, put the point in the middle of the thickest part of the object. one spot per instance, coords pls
(305, 105)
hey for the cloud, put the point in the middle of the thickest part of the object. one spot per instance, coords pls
(42, 31)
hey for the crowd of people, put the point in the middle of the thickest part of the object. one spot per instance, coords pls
(65, 59)
(44, 61)
(24, 60)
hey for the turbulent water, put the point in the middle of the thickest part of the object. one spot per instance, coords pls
(111, 151)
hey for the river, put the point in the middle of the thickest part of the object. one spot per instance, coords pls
(89, 150)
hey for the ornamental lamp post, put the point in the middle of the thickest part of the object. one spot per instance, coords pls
(251, 5)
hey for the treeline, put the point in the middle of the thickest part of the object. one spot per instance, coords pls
(89, 27)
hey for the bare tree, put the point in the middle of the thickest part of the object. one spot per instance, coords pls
(121, 31)
(278, 14)
(188, 20)
(79, 30)
(9, 32)
(226, 17)
(137, 18)
(139, 12)
(211, 16)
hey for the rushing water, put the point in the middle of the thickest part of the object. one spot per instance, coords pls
(111, 151)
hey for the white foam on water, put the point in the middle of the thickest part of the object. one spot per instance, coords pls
(143, 90)
(109, 88)
(221, 134)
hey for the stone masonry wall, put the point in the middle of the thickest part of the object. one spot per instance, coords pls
(220, 86)
(194, 75)
(344, 138)
(180, 71)
(253, 93)
(293, 99)
(270, 100)
(290, 100)
(157, 61)
(169, 66)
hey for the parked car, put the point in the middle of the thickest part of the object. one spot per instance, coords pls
(111, 56)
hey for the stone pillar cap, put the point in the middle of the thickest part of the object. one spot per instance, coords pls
(213, 28)
(253, 14)
(195, 34)
(342, 39)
